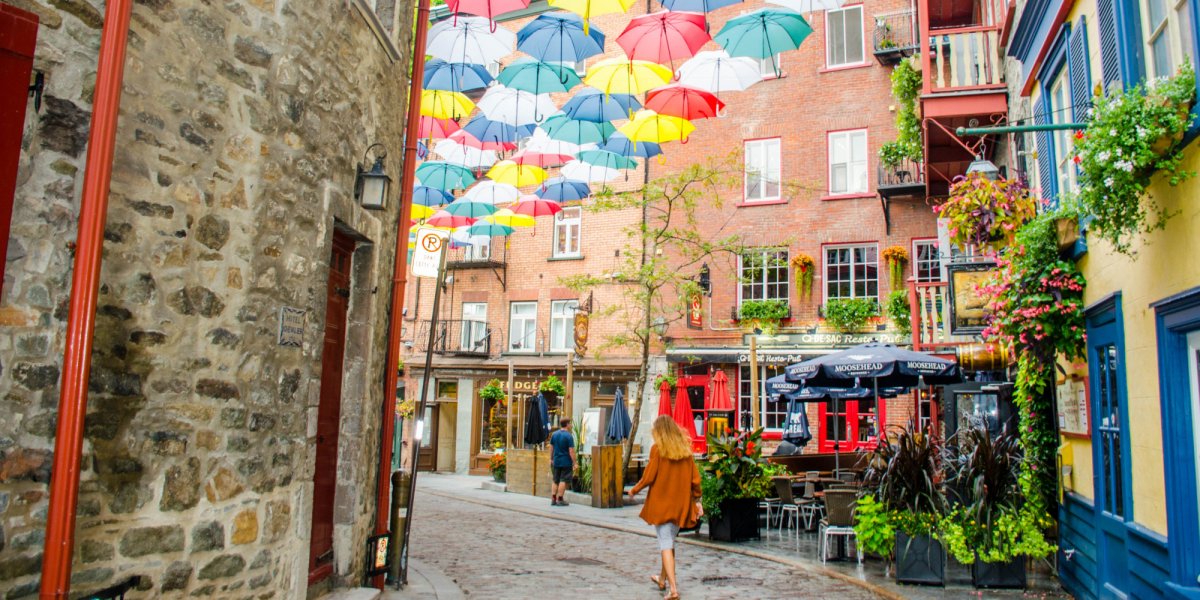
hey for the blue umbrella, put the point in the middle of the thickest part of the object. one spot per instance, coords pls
(703, 6)
(565, 129)
(429, 196)
(559, 37)
(563, 190)
(591, 104)
(619, 424)
(455, 77)
(489, 131)
(620, 144)
(444, 175)
(606, 159)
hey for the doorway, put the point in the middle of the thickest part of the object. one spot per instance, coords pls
(428, 453)
(337, 303)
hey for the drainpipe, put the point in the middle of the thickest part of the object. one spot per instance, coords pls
(81, 321)
(400, 273)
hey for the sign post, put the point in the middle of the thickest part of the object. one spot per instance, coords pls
(429, 260)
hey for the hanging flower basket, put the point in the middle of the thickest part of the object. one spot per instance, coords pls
(805, 268)
(986, 213)
(1067, 229)
(896, 258)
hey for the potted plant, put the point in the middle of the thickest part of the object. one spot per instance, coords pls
(992, 529)
(805, 267)
(900, 311)
(733, 479)
(764, 315)
(903, 477)
(906, 88)
(986, 213)
(498, 465)
(851, 314)
(896, 258)
(668, 377)
(552, 388)
(492, 392)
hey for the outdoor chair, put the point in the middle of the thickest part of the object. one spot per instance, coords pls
(810, 505)
(770, 505)
(847, 476)
(838, 522)
(787, 503)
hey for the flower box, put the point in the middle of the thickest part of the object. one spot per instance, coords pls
(1068, 233)
(1009, 574)
(920, 559)
(738, 521)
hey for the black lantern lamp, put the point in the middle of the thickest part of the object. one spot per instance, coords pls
(984, 167)
(705, 279)
(371, 187)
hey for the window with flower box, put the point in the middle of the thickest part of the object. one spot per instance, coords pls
(852, 271)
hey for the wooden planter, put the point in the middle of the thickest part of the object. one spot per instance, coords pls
(607, 484)
(1009, 574)
(920, 559)
(528, 472)
(1068, 233)
(738, 521)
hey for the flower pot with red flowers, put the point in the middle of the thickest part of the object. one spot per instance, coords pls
(985, 213)
(733, 479)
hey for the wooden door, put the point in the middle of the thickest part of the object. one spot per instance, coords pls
(427, 457)
(337, 302)
(18, 36)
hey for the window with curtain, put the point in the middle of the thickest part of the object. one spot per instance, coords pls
(848, 162)
(1064, 151)
(852, 272)
(762, 170)
(763, 274)
(474, 327)
(562, 325)
(522, 327)
(844, 36)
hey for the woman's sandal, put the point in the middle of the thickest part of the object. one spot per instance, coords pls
(674, 596)
(661, 585)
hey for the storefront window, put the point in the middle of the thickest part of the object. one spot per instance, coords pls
(772, 414)
(493, 418)
(849, 424)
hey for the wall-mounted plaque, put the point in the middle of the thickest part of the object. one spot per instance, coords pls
(291, 326)
(968, 307)
(1073, 409)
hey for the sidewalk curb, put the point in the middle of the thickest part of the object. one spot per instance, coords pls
(443, 587)
(797, 564)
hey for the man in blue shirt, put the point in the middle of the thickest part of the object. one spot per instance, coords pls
(562, 461)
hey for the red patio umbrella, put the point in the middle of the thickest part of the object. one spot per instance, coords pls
(683, 102)
(540, 159)
(720, 393)
(683, 412)
(664, 36)
(461, 136)
(431, 128)
(535, 207)
(664, 399)
(442, 218)
(486, 8)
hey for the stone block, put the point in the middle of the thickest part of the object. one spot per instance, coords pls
(34, 376)
(223, 485)
(245, 527)
(181, 486)
(144, 541)
(212, 231)
(226, 565)
(91, 551)
(25, 464)
(277, 520)
(19, 566)
(208, 536)
(196, 300)
(215, 388)
(176, 576)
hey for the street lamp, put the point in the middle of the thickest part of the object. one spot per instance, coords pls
(705, 282)
(659, 326)
(984, 167)
(371, 187)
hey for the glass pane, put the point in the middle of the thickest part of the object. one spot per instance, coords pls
(1158, 12)
(839, 148)
(1193, 340)
(854, 35)
(838, 179)
(835, 42)
(835, 427)
(1183, 19)
(1160, 50)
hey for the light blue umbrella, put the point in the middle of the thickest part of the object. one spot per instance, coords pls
(559, 37)
(444, 175)
(489, 131)
(538, 77)
(763, 33)
(455, 77)
(466, 208)
(428, 196)
(620, 144)
(565, 129)
(606, 159)
(489, 229)
(591, 104)
(559, 189)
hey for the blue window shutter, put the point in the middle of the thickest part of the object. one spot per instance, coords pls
(1077, 68)
(1110, 55)
(1045, 148)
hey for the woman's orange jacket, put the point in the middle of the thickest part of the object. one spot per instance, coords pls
(674, 489)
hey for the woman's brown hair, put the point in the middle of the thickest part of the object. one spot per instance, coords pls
(672, 441)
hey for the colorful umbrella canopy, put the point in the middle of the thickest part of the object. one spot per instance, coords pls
(508, 218)
(619, 144)
(492, 192)
(431, 128)
(604, 158)
(424, 195)
(421, 212)
(664, 399)
(720, 393)
(540, 141)
(590, 104)
(444, 175)
(467, 208)
(466, 139)
(507, 171)
(539, 159)
(474, 158)
(763, 33)
(622, 76)
(489, 229)
(486, 8)
(563, 128)
(649, 126)
(683, 411)
(445, 105)
(447, 220)
(464, 237)
(515, 107)
(536, 207)
(664, 36)
(808, 6)
(469, 40)
(559, 37)
(537, 77)
(590, 173)
(488, 131)
(716, 71)
(704, 6)
(454, 77)
(591, 8)
(684, 102)
(561, 189)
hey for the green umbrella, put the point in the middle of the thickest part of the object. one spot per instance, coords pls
(565, 129)
(467, 208)
(444, 175)
(489, 229)
(537, 77)
(763, 33)
(604, 158)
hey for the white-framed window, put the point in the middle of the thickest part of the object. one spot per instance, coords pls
(493, 68)
(770, 66)
(474, 327)
(763, 273)
(1167, 29)
(852, 271)
(762, 176)
(480, 249)
(848, 162)
(562, 325)
(567, 225)
(1064, 152)
(844, 36)
(772, 415)
(522, 327)
(927, 263)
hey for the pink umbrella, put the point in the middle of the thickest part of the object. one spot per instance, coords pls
(486, 8)
(533, 157)
(535, 207)
(664, 399)
(444, 219)
(719, 400)
(664, 36)
(463, 137)
(683, 412)
(431, 128)
(684, 102)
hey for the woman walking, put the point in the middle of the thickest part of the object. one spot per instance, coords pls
(673, 502)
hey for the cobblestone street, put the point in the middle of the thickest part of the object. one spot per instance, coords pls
(504, 553)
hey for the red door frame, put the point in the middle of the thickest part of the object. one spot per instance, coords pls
(699, 443)
(18, 38)
(850, 409)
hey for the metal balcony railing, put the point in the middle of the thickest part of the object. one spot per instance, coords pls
(456, 336)
(904, 178)
(895, 36)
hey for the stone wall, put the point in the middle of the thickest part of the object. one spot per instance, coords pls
(241, 123)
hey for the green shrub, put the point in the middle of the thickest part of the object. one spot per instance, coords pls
(851, 314)
(900, 311)
(553, 385)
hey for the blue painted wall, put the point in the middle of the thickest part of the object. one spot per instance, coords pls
(1148, 560)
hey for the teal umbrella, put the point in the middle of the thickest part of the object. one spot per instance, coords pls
(467, 208)
(763, 33)
(444, 175)
(604, 158)
(489, 229)
(565, 129)
(537, 77)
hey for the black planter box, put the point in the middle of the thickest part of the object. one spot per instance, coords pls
(1009, 574)
(738, 521)
(920, 559)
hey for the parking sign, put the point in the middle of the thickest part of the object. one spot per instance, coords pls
(427, 256)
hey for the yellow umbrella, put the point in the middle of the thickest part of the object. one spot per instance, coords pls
(591, 8)
(508, 218)
(514, 174)
(624, 76)
(420, 211)
(649, 126)
(441, 104)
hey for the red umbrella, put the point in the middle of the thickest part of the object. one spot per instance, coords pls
(664, 399)
(431, 128)
(664, 36)
(444, 219)
(466, 139)
(684, 102)
(486, 8)
(683, 412)
(720, 393)
(535, 207)
(532, 157)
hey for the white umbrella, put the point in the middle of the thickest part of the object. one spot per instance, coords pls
(542, 142)
(715, 71)
(462, 236)
(515, 107)
(581, 171)
(472, 158)
(492, 192)
(469, 40)
(808, 6)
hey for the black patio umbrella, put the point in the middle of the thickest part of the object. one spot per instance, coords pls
(619, 424)
(535, 424)
(885, 364)
(795, 428)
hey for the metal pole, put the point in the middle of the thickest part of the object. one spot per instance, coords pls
(753, 382)
(961, 131)
(81, 320)
(419, 423)
(512, 407)
(568, 401)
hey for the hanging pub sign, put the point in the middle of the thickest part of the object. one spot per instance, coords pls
(695, 319)
(581, 332)
(968, 306)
